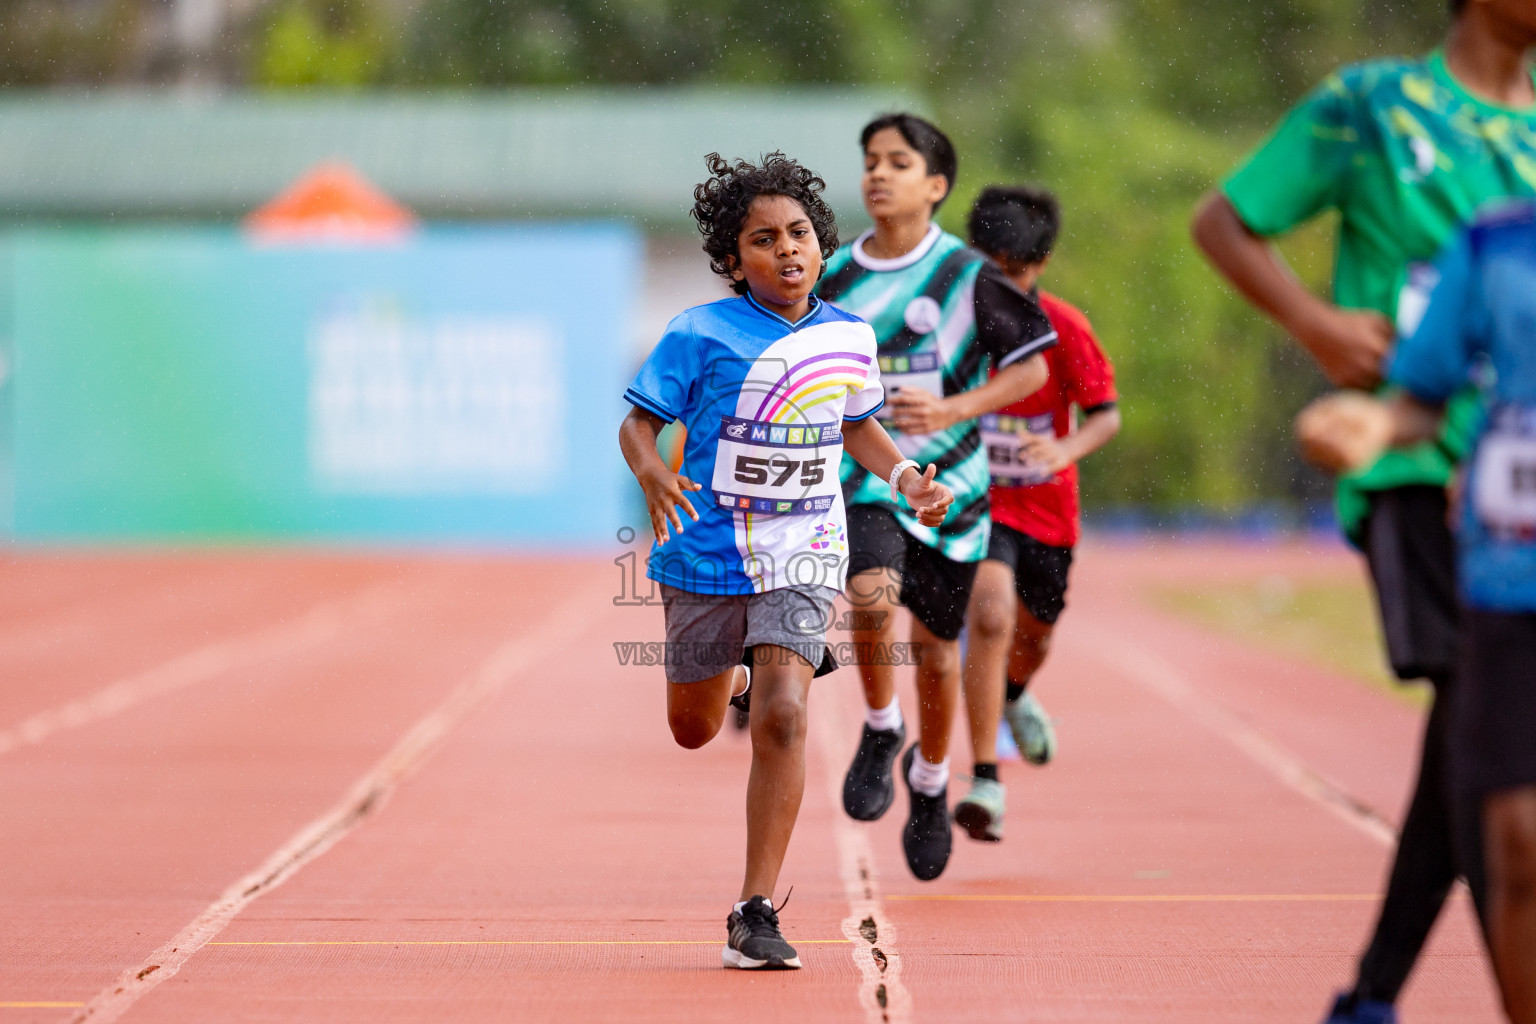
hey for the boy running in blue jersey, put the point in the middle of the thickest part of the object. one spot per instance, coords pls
(1481, 316)
(945, 317)
(772, 386)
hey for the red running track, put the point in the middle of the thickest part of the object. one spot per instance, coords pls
(290, 787)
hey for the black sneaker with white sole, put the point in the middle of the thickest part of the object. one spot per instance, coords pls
(755, 942)
(926, 839)
(742, 702)
(868, 789)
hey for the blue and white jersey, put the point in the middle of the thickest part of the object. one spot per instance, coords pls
(764, 402)
(1482, 316)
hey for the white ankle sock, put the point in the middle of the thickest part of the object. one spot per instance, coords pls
(928, 779)
(886, 719)
(744, 903)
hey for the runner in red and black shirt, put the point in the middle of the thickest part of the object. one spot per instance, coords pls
(1033, 448)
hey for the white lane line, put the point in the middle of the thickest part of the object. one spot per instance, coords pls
(75, 621)
(871, 935)
(323, 622)
(1164, 679)
(541, 639)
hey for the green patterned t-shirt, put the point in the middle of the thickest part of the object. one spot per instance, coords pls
(1406, 155)
(944, 316)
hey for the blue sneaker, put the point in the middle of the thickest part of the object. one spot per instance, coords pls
(1007, 750)
(1347, 1009)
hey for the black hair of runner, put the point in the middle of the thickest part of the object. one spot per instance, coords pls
(1457, 6)
(924, 136)
(720, 206)
(1015, 224)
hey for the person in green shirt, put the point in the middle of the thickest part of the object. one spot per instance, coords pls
(1405, 151)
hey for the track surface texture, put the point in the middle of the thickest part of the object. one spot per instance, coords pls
(289, 786)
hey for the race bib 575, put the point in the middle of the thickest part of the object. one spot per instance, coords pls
(776, 468)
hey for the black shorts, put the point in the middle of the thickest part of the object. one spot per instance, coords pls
(1493, 726)
(935, 589)
(1412, 556)
(1039, 570)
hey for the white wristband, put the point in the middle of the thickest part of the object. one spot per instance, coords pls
(901, 467)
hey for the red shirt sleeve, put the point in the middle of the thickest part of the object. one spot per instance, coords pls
(1089, 377)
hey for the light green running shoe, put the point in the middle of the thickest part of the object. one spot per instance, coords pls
(980, 813)
(1031, 728)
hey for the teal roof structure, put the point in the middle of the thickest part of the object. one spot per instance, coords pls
(544, 153)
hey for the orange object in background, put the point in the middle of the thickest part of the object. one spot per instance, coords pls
(332, 202)
(673, 443)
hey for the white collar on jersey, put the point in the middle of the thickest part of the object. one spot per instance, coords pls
(869, 262)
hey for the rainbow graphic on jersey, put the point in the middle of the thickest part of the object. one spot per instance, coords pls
(824, 377)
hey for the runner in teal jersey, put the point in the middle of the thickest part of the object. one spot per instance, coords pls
(923, 309)
(1406, 151)
(944, 316)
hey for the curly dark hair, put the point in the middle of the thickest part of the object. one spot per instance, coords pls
(720, 206)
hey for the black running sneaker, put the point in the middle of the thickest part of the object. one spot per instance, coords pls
(755, 942)
(868, 788)
(926, 839)
(742, 701)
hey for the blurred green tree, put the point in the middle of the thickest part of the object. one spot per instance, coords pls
(343, 45)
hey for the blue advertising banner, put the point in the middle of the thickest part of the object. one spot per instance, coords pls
(461, 386)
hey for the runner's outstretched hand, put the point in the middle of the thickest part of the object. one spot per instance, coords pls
(664, 491)
(928, 499)
(1343, 431)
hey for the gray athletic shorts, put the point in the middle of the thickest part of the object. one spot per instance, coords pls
(708, 633)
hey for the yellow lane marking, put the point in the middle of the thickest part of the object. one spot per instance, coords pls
(517, 942)
(1140, 898)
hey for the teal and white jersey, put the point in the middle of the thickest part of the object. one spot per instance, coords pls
(944, 316)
